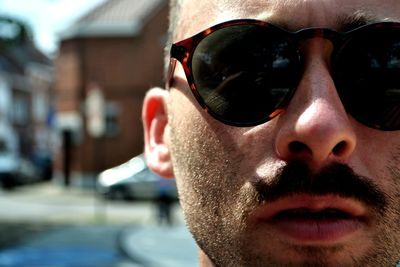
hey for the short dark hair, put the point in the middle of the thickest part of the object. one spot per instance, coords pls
(174, 12)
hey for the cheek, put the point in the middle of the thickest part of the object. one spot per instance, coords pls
(208, 154)
(201, 148)
(208, 162)
(393, 168)
(379, 156)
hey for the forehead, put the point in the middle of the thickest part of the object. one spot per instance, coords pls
(197, 15)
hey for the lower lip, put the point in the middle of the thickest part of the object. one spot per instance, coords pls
(316, 231)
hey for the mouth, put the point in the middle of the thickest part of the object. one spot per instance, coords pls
(304, 219)
(312, 215)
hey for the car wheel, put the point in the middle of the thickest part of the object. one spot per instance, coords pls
(119, 194)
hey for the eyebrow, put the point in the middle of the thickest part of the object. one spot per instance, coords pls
(344, 23)
(355, 20)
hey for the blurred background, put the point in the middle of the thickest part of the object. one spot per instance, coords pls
(74, 187)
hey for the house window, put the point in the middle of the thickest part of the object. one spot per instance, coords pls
(111, 119)
(21, 110)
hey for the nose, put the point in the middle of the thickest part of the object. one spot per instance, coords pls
(315, 127)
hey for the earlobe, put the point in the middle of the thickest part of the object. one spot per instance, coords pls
(155, 123)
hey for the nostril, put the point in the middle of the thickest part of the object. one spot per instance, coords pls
(299, 147)
(340, 148)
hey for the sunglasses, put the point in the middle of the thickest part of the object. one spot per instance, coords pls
(244, 72)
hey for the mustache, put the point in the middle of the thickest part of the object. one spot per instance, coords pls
(337, 179)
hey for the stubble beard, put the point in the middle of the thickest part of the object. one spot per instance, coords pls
(216, 203)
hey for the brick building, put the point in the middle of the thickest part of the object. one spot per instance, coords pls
(112, 56)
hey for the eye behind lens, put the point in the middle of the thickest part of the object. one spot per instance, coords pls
(366, 72)
(244, 73)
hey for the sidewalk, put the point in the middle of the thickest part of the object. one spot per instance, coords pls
(52, 203)
(77, 225)
(155, 246)
(104, 246)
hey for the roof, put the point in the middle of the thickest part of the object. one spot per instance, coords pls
(17, 50)
(114, 18)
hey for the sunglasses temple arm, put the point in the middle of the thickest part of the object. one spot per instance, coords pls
(171, 70)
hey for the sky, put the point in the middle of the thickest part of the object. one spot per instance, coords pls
(47, 18)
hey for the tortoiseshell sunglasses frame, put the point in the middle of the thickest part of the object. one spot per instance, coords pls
(183, 51)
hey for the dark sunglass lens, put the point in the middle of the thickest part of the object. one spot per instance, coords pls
(367, 73)
(244, 73)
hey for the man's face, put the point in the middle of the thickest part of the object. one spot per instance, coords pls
(244, 189)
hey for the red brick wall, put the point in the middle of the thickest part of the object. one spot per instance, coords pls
(124, 68)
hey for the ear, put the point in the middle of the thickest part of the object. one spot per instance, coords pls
(155, 123)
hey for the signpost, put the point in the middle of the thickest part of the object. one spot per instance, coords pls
(95, 112)
(95, 105)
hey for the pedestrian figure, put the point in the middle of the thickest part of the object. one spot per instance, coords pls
(164, 201)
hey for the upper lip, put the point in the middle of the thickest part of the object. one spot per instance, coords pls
(313, 203)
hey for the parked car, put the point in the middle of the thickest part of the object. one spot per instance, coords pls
(14, 169)
(133, 180)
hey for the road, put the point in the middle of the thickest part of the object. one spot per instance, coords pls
(48, 225)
